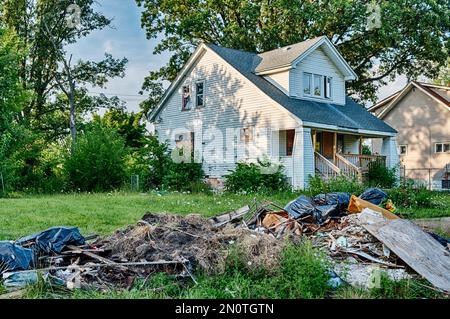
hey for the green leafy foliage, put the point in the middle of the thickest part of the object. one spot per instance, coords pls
(184, 176)
(98, 161)
(262, 176)
(381, 176)
(318, 185)
(409, 196)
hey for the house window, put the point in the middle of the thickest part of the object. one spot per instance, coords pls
(445, 184)
(317, 85)
(200, 94)
(307, 79)
(246, 135)
(327, 87)
(290, 137)
(403, 149)
(442, 147)
(186, 98)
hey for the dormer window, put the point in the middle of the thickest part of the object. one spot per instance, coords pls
(307, 79)
(316, 85)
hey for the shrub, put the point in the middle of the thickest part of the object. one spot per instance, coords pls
(98, 160)
(407, 196)
(318, 185)
(262, 176)
(184, 176)
(149, 162)
(381, 176)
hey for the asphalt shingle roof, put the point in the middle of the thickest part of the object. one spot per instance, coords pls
(283, 56)
(352, 115)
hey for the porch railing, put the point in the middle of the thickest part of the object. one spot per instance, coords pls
(325, 167)
(348, 168)
(363, 161)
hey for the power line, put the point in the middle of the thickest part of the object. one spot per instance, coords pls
(118, 94)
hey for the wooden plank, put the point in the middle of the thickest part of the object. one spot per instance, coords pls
(228, 217)
(95, 256)
(415, 247)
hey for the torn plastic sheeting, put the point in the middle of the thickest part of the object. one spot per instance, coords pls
(302, 207)
(53, 240)
(340, 199)
(14, 257)
(374, 195)
(20, 279)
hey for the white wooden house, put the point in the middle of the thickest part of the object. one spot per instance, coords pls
(289, 105)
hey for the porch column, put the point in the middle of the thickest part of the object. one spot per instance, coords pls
(334, 146)
(303, 158)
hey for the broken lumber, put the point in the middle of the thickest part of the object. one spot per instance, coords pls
(416, 248)
(223, 219)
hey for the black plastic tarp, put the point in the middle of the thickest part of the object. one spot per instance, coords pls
(374, 195)
(14, 257)
(338, 200)
(53, 240)
(303, 206)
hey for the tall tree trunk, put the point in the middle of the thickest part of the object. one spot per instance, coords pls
(73, 127)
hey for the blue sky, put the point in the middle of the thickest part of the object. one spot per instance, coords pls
(127, 39)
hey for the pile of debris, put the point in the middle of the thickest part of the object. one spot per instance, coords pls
(357, 233)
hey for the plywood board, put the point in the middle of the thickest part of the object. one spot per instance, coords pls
(415, 247)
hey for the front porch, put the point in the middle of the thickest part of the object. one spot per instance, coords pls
(338, 154)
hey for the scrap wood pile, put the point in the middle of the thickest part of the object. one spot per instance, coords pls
(356, 232)
(174, 244)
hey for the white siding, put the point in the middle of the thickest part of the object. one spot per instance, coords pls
(231, 102)
(351, 144)
(280, 80)
(308, 155)
(318, 63)
(389, 149)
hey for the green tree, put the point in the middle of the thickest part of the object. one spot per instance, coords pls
(98, 160)
(46, 27)
(443, 77)
(410, 40)
(128, 125)
(12, 98)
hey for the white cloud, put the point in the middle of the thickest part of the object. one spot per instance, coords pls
(108, 46)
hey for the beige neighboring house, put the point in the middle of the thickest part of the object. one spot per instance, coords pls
(421, 115)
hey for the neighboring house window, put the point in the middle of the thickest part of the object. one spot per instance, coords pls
(317, 85)
(442, 147)
(403, 149)
(186, 98)
(200, 94)
(307, 79)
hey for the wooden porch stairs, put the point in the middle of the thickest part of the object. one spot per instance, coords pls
(342, 167)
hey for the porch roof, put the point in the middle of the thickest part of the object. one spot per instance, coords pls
(351, 116)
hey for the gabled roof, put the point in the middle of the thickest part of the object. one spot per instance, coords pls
(284, 56)
(350, 117)
(287, 57)
(390, 102)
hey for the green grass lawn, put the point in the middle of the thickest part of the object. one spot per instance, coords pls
(104, 213)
